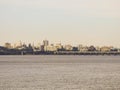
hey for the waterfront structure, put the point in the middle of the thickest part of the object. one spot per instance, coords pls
(45, 42)
(37, 47)
(42, 48)
(105, 49)
(50, 48)
(114, 49)
(75, 49)
(68, 47)
(45, 48)
(118, 50)
(91, 48)
(59, 46)
(98, 48)
(18, 45)
(8, 45)
(82, 48)
(79, 47)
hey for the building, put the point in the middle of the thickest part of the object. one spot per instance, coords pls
(105, 49)
(119, 50)
(45, 42)
(8, 45)
(114, 49)
(50, 48)
(79, 47)
(42, 48)
(59, 46)
(91, 48)
(37, 47)
(68, 48)
(82, 48)
(18, 45)
(98, 48)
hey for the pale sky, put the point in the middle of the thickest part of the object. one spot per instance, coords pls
(87, 22)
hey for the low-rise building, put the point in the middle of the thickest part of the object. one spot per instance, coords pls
(8, 45)
(59, 46)
(105, 49)
(91, 48)
(68, 47)
(82, 48)
(98, 48)
(50, 48)
(118, 50)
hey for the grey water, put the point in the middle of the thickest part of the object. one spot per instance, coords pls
(62, 72)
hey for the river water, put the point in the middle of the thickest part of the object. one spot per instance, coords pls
(59, 72)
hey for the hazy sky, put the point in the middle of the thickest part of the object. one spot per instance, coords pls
(87, 22)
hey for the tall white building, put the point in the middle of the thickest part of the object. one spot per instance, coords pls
(45, 42)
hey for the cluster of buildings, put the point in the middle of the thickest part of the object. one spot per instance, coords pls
(45, 46)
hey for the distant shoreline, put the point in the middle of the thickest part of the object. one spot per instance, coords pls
(52, 53)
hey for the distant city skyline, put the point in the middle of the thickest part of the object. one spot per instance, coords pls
(87, 22)
(46, 42)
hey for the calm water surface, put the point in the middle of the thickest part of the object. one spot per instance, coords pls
(59, 72)
(59, 59)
